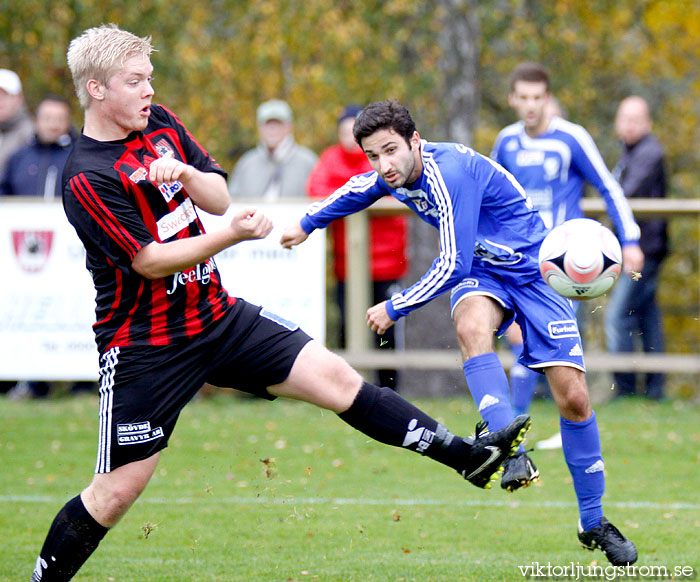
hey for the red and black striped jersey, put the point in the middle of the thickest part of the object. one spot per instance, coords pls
(116, 210)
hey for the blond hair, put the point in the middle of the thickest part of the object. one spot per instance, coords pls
(98, 53)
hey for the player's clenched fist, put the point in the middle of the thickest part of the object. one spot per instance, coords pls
(632, 259)
(250, 224)
(378, 319)
(166, 170)
(292, 236)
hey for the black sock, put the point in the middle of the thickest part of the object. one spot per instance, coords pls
(73, 536)
(386, 417)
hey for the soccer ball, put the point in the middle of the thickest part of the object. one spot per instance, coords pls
(580, 259)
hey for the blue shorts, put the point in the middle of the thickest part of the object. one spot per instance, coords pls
(550, 331)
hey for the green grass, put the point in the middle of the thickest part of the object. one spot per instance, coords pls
(334, 506)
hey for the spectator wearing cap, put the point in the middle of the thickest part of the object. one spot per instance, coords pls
(388, 234)
(278, 167)
(16, 127)
(35, 169)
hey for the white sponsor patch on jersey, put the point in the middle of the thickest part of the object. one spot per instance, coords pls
(529, 158)
(169, 189)
(173, 222)
(138, 174)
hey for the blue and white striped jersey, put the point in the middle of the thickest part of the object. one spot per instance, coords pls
(553, 167)
(482, 214)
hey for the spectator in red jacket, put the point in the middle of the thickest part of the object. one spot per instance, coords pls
(388, 234)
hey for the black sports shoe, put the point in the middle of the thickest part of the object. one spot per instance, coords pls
(518, 471)
(488, 451)
(616, 547)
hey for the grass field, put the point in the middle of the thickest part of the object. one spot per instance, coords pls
(250, 491)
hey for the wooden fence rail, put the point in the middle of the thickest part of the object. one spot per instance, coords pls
(358, 298)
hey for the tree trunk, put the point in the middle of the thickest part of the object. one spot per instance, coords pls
(430, 327)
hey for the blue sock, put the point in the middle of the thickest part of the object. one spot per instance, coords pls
(522, 382)
(581, 444)
(488, 384)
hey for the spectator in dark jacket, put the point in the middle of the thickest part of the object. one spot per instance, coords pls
(633, 311)
(35, 169)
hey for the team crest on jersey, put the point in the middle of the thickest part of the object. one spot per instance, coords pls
(512, 145)
(164, 149)
(420, 200)
(551, 168)
(32, 248)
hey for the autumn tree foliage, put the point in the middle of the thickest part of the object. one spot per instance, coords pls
(448, 60)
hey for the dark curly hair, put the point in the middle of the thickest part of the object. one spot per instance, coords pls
(388, 114)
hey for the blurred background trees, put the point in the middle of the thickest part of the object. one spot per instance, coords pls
(447, 60)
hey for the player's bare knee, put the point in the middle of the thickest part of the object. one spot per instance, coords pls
(328, 365)
(108, 505)
(574, 402)
(117, 503)
(578, 407)
(344, 379)
(474, 336)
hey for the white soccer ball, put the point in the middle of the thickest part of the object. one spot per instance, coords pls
(580, 259)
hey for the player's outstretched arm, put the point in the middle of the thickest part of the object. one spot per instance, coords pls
(293, 235)
(157, 260)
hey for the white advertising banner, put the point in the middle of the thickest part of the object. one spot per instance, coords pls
(47, 299)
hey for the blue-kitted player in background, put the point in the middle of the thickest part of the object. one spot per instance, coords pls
(552, 159)
(490, 235)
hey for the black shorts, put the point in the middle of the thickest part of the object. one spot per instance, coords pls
(143, 389)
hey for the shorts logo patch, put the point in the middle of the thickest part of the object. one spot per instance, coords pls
(465, 284)
(133, 433)
(560, 329)
(576, 350)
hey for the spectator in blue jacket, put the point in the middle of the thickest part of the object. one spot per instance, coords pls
(35, 169)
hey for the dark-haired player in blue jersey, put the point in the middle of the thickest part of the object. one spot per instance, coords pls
(165, 325)
(490, 236)
(552, 159)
